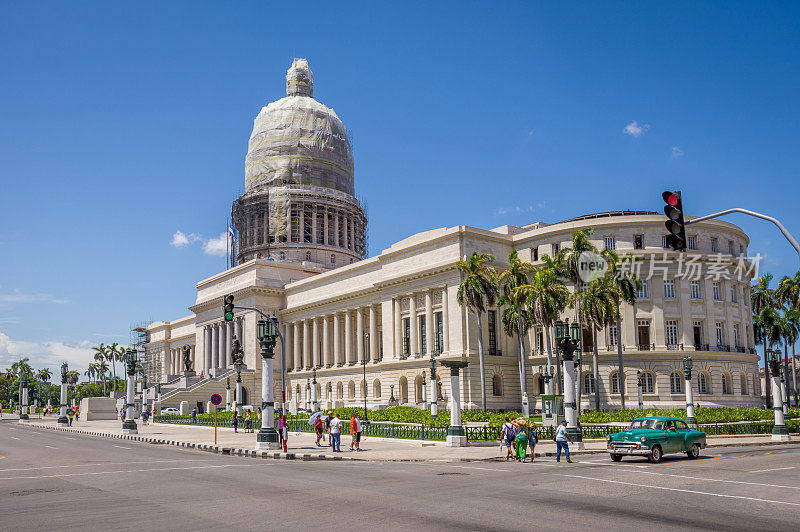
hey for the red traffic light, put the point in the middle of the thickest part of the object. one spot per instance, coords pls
(670, 197)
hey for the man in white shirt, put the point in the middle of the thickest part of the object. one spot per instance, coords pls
(561, 441)
(336, 433)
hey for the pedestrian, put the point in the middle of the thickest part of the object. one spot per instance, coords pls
(561, 441)
(144, 417)
(336, 433)
(71, 414)
(533, 439)
(328, 426)
(521, 441)
(235, 422)
(355, 432)
(318, 428)
(507, 437)
(194, 415)
(77, 414)
(282, 429)
(248, 422)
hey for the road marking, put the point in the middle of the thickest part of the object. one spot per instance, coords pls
(121, 447)
(69, 438)
(483, 468)
(677, 489)
(105, 464)
(136, 471)
(776, 469)
(51, 447)
(14, 438)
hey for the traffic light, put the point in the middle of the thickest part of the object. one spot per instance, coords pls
(675, 225)
(228, 308)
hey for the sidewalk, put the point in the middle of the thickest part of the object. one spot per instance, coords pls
(301, 445)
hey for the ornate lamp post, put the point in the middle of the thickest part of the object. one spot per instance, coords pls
(687, 384)
(391, 395)
(308, 394)
(639, 389)
(129, 426)
(239, 366)
(434, 394)
(578, 381)
(364, 365)
(784, 390)
(228, 394)
(23, 398)
(314, 401)
(779, 431)
(547, 376)
(568, 340)
(267, 437)
(424, 392)
(456, 437)
(62, 410)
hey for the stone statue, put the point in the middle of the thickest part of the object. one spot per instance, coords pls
(237, 354)
(187, 358)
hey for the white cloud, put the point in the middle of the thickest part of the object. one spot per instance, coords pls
(676, 152)
(518, 209)
(46, 354)
(216, 246)
(635, 130)
(17, 296)
(181, 239)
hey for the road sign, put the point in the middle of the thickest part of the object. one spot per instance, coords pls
(216, 399)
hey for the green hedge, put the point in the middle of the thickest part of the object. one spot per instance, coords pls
(703, 415)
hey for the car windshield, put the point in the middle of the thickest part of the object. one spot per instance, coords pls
(646, 424)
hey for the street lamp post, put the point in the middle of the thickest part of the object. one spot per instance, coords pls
(547, 376)
(579, 380)
(568, 340)
(434, 391)
(784, 391)
(639, 389)
(62, 410)
(779, 431)
(239, 367)
(228, 394)
(314, 398)
(267, 437)
(424, 392)
(23, 398)
(308, 394)
(129, 426)
(364, 365)
(687, 383)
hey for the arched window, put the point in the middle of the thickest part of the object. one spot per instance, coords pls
(351, 390)
(755, 384)
(497, 385)
(588, 383)
(418, 388)
(340, 391)
(376, 389)
(333, 258)
(403, 390)
(329, 392)
(703, 383)
(743, 383)
(726, 384)
(614, 382)
(283, 255)
(308, 255)
(648, 382)
(542, 387)
(675, 382)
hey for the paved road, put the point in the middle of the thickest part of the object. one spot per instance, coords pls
(68, 481)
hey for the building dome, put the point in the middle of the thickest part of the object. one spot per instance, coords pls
(298, 141)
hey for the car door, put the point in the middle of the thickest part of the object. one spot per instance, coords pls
(672, 440)
(683, 435)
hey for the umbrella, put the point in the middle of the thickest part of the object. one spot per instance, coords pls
(314, 417)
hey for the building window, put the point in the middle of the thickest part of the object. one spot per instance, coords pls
(643, 334)
(406, 334)
(556, 248)
(439, 338)
(736, 335)
(726, 384)
(665, 241)
(376, 389)
(741, 249)
(638, 241)
(491, 316)
(351, 390)
(283, 255)
(648, 382)
(308, 255)
(703, 383)
(588, 383)
(730, 247)
(694, 290)
(716, 290)
(539, 336)
(669, 289)
(698, 333)
(743, 383)
(614, 381)
(497, 386)
(333, 258)
(610, 242)
(714, 245)
(691, 242)
(641, 293)
(612, 335)
(423, 335)
(720, 334)
(672, 332)
(534, 254)
(676, 382)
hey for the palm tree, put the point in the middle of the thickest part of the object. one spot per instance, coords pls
(767, 329)
(762, 298)
(90, 372)
(44, 374)
(478, 289)
(21, 367)
(793, 317)
(788, 293)
(114, 354)
(73, 377)
(102, 368)
(545, 298)
(599, 308)
(515, 318)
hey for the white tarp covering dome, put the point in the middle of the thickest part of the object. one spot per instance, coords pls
(299, 141)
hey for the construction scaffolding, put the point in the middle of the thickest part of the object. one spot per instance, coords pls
(149, 360)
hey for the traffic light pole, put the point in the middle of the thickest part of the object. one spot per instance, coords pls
(785, 231)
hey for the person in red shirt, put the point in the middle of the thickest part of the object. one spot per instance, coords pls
(355, 432)
(318, 425)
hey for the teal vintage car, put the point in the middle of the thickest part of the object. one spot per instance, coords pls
(655, 436)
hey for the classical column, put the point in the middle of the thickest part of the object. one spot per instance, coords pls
(348, 337)
(238, 330)
(373, 334)
(214, 346)
(429, 332)
(206, 350)
(412, 310)
(398, 328)
(287, 338)
(456, 437)
(313, 225)
(325, 226)
(306, 345)
(229, 344)
(298, 361)
(445, 323)
(222, 343)
(338, 355)
(326, 342)
(360, 335)
(315, 337)
(336, 241)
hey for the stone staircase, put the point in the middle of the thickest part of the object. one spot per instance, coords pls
(195, 389)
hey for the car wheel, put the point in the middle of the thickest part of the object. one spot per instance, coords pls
(616, 457)
(655, 455)
(694, 452)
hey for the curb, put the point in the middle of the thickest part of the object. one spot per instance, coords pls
(218, 449)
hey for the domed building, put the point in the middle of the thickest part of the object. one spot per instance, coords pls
(299, 203)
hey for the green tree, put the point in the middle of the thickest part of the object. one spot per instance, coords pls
(478, 289)
(599, 308)
(762, 298)
(793, 317)
(115, 353)
(515, 317)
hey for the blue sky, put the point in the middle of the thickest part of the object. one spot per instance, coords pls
(124, 124)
